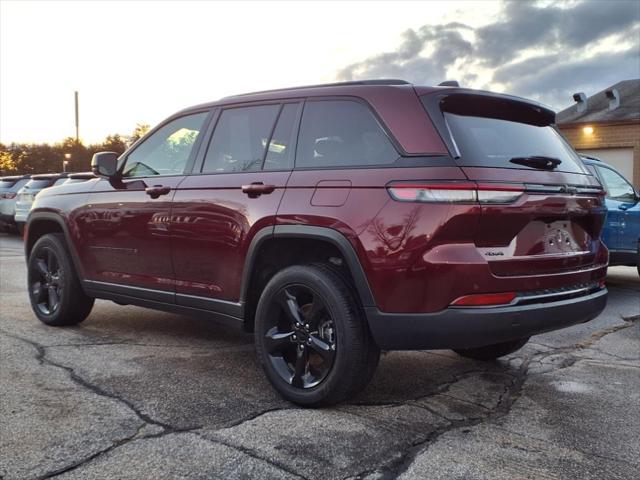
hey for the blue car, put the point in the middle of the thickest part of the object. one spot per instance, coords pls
(621, 233)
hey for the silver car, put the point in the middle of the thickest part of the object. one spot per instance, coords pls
(9, 187)
(28, 193)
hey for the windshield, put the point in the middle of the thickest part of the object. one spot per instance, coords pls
(493, 142)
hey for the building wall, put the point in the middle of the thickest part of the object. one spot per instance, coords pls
(607, 136)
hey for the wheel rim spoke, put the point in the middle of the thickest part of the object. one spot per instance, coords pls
(38, 291)
(54, 299)
(41, 267)
(322, 348)
(302, 358)
(290, 306)
(276, 341)
(312, 316)
(52, 261)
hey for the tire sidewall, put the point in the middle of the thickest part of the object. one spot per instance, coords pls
(341, 309)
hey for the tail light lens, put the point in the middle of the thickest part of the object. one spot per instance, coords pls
(8, 195)
(455, 192)
(485, 299)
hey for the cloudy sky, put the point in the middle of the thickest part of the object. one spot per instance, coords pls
(141, 61)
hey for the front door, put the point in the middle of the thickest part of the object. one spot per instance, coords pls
(235, 193)
(126, 224)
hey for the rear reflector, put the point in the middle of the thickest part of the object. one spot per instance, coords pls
(455, 192)
(484, 299)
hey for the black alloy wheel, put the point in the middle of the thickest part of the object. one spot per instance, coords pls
(46, 281)
(301, 341)
(312, 338)
(55, 291)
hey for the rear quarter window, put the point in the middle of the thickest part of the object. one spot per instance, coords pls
(341, 133)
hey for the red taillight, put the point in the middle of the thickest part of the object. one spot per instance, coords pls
(484, 299)
(8, 195)
(602, 283)
(455, 192)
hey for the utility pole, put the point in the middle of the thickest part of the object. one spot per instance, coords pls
(77, 120)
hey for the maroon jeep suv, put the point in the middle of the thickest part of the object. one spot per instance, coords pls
(334, 221)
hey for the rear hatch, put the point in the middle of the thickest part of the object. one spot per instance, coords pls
(541, 210)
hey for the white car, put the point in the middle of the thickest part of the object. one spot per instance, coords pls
(27, 194)
(9, 187)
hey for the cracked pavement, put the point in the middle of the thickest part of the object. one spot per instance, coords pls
(137, 394)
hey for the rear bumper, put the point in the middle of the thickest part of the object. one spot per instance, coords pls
(477, 327)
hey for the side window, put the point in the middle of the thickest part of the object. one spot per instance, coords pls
(280, 154)
(341, 133)
(167, 150)
(617, 187)
(240, 138)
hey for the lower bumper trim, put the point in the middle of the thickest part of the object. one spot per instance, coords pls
(477, 327)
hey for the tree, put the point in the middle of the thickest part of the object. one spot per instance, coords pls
(140, 130)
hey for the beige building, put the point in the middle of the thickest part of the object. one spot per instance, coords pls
(607, 126)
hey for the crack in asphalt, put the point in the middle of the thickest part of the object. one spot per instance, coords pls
(167, 429)
(513, 391)
(396, 467)
(252, 453)
(572, 448)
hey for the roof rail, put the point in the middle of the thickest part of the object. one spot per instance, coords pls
(589, 157)
(382, 81)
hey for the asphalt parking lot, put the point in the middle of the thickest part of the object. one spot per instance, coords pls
(138, 394)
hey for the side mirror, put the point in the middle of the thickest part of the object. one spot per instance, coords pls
(105, 164)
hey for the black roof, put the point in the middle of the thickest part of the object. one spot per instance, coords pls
(598, 106)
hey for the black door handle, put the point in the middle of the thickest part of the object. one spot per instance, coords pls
(255, 189)
(157, 190)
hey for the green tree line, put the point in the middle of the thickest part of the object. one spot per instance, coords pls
(31, 158)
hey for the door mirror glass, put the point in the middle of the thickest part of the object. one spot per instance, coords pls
(105, 164)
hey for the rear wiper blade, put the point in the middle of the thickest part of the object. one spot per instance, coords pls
(537, 161)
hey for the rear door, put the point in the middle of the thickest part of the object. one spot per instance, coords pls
(541, 210)
(232, 194)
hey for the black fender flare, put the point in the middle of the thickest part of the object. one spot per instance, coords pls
(34, 217)
(309, 232)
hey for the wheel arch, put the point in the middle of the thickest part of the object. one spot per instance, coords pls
(43, 223)
(323, 240)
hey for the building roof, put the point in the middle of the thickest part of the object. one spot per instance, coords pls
(598, 106)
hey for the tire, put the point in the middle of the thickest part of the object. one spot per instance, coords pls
(55, 292)
(638, 259)
(491, 352)
(311, 337)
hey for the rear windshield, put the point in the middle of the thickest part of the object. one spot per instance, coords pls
(489, 130)
(493, 142)
(35, 184)
(7, 183)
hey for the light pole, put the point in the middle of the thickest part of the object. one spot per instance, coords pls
(65, 162)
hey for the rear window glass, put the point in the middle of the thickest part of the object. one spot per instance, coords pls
(493, 142)
(33, 184)
(60, 181)
(7, 183)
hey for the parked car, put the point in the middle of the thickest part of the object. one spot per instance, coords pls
(27, 194)
(9, 187)
(621, 232)
(335, 221)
